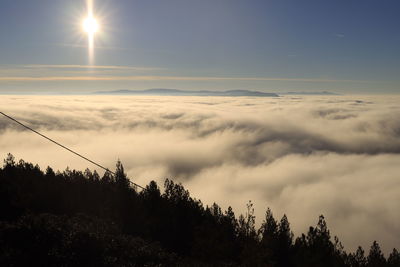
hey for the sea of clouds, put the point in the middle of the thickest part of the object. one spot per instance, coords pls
(302, 156)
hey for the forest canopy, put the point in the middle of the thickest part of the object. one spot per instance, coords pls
(72, 218)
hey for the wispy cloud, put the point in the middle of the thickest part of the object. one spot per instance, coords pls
(339, 35)
(168, 78)
(96, 47)
(115, 73)
(101, 67)
(43, 72)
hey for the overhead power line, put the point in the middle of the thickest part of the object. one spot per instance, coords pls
(66, 148)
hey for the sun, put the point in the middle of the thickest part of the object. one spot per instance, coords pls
(90, 25)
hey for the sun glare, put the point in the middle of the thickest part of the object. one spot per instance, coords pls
(90, 25)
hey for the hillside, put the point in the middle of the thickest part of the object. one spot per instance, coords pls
(75, 218)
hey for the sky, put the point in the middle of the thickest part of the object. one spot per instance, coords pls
(336, 155)
(299, 155)
(344, 46)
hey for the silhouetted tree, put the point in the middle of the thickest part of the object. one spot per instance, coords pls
(75, 218)
(247, 222)
(316, 249)
(375, 257)
(394, 259)
(285, 242)
(269, 238)
(9, 161)
(357, 259)
(120, 176)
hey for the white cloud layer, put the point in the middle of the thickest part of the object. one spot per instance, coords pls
(303, 156)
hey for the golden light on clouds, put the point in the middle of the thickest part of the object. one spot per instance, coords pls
(231, 149)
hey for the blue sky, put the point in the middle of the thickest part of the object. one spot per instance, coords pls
(345, 46)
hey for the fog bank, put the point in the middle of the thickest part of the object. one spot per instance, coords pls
(303, 156)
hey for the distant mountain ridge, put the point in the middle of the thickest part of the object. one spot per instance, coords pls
(310, 93)
(176, 92)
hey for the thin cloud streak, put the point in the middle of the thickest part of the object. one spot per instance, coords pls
(106, 67)
(339, 35)
(169, 78)
(96, 47)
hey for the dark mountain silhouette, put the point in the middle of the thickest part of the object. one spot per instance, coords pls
(310, 93)
(75, 218)
(175, 92)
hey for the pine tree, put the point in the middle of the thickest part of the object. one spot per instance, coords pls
(285, 242)
(269, 238)
(394, 259)
(375, 257)
(120, 176)
(9, 161)
(269, 230)
(358, 259)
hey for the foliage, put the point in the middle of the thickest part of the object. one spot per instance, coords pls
(75, 218)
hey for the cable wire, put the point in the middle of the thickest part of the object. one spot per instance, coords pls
(66, 148)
